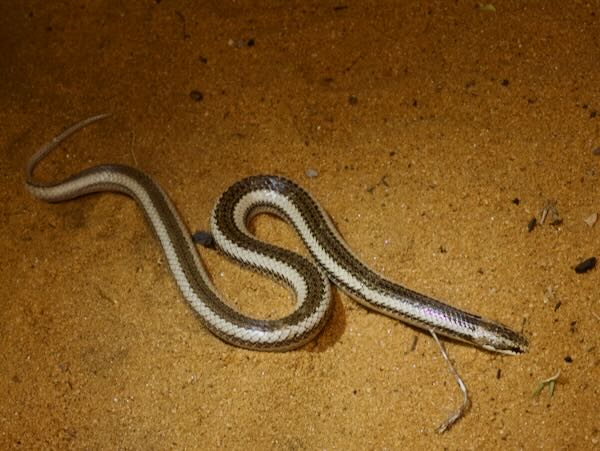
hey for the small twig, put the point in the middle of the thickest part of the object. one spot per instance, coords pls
(413, 346)
(105, 296)
(550, 383)
(131, 145)
(544, 214)
(455, 416)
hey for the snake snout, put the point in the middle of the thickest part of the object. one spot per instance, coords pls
(499, 338)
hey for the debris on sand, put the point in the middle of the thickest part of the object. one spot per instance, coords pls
(591, 219)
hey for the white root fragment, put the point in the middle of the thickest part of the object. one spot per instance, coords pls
(456, 415)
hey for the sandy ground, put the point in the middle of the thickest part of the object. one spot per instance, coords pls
(438, 131)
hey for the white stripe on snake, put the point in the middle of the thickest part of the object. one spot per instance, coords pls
(229, 219)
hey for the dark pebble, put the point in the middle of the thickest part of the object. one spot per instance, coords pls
(596, 151)
(204, 239)
(569, 359)
(197, 96)
(531, 225)
(353, 100)
(585, 265)
(516, 201)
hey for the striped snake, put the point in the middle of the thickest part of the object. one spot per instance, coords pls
(229, 219)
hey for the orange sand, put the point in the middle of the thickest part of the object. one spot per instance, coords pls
(425, 121)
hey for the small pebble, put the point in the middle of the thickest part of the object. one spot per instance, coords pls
(204, 239)
(591, 219)
(531, 225)
(585, 265)
(241, 43)
(596, 151)
(196, 95)
(312, 173)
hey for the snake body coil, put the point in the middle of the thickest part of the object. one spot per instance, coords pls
(229, 220)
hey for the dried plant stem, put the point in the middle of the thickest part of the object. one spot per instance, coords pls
(456, 415)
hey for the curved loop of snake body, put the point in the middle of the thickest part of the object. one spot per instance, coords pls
(229, 220)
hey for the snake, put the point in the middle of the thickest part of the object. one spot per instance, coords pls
(310, 283)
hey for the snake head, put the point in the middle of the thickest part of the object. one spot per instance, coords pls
(496, 337)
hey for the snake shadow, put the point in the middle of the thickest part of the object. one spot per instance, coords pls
(333, 329)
